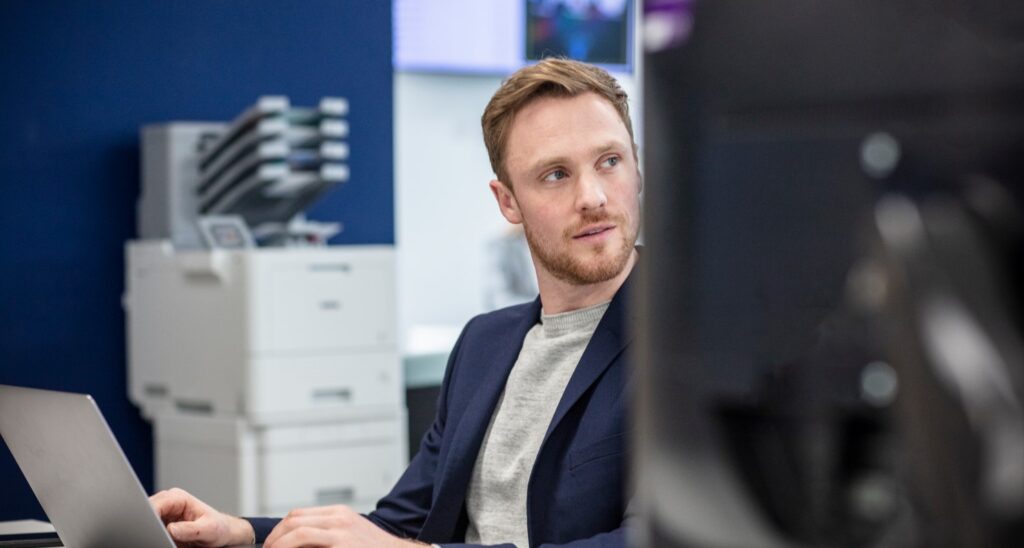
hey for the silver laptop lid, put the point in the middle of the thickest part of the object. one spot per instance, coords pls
(77, 470)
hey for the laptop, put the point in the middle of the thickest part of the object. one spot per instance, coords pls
(77, 470)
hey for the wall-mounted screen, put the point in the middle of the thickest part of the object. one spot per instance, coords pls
(500, 36)
(595, 31)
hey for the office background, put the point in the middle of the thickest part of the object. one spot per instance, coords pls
(79, 81)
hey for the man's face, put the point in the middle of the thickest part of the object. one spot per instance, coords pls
(576, 187)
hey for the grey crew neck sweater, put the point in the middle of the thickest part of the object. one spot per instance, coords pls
(496, 497)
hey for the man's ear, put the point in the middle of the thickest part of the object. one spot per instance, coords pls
(506, 202)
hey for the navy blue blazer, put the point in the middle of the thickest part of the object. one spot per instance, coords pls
(576, 492)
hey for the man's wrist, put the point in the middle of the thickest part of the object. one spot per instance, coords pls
(242, 532)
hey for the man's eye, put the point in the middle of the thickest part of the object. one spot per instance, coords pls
(610, 161)
(556, 175)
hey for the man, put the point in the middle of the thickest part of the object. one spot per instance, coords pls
(528, 444)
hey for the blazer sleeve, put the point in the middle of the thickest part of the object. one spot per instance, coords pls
(403, 511)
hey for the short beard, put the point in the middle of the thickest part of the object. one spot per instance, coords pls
(571, 269)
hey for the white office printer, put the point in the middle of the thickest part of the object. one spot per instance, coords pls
(266, 360)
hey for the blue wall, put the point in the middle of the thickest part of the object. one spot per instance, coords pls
(77, 80)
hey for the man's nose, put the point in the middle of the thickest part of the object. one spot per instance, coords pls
(590, 192)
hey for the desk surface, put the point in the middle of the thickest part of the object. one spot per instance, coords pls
(35, 527)
(24, 526)
(27, 533)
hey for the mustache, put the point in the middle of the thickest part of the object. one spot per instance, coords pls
(594, 218)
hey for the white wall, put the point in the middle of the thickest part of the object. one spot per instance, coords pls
(445, 213)
(444, 209)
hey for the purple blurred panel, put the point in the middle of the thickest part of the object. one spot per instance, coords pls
(667, 23)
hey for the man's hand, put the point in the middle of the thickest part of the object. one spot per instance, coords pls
(191, 522)
(331, 526)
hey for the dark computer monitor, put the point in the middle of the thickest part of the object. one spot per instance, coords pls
(776, 135)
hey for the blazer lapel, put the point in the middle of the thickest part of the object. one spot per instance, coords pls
(472, 426)
(609, 340)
